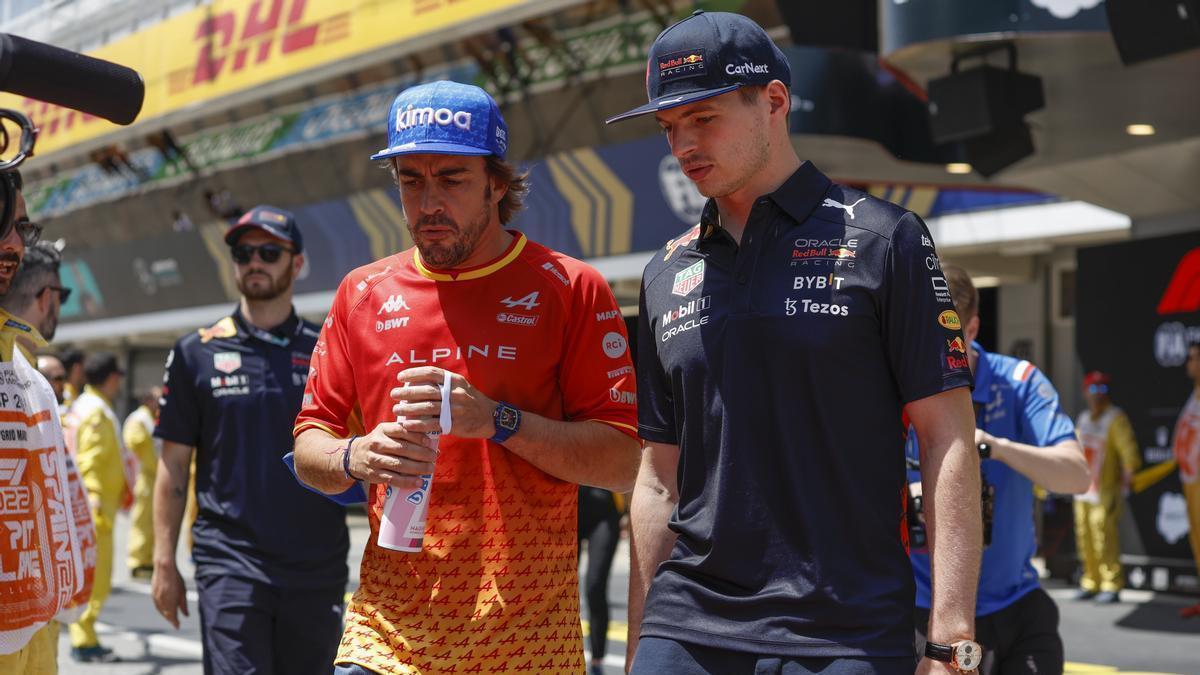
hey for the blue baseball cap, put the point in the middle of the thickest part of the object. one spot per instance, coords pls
(706, 55)
(446, 118)
(274, 221)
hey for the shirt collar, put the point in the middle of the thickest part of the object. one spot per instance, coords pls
(17, 331)
(797, 196)
(802, 192)
(983, 375)
(280, 335)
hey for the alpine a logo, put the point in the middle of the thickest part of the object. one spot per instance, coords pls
(1183, 292)
(393, 304)
(413, 117)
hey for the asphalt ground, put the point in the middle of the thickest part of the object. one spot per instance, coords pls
(1142, 634)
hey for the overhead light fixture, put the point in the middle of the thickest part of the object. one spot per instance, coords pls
(1140, 130)
(985, 282)
(958, 168)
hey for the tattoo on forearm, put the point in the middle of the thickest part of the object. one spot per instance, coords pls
(179, 491)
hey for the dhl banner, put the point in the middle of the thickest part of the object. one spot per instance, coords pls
(230, 46)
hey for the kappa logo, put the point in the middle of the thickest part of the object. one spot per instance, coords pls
(848, 208)
(227, 362)
(687, 280)
(394, 304)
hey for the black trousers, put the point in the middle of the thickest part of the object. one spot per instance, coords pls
(1021, 639)
(600, 526)
(251, 627)
(657, 656)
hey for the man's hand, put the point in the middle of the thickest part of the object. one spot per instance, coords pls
(419, 401)
(393, 456)
(169, 593)
(928, 666)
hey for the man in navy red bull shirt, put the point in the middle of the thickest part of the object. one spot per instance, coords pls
(270, 555)
(779, 342)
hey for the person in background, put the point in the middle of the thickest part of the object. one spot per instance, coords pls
(600, 514)
(138, 433)
(108, 473)
(1024, 438)
(72, 360)
(270, 555)
(52, 369)
(1112, 455)
(1187, 457)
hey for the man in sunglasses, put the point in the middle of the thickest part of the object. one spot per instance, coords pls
(1112, 455)
(37, 295)
(269, 601)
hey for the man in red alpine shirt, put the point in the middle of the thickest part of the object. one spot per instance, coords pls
(542, 399)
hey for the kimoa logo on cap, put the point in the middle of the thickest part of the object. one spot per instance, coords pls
(747, 68)
(411, 117)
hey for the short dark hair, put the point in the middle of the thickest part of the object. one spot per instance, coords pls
(70, 358)
(38, 268)
(99, 366)
(962, 291)
(516, 181)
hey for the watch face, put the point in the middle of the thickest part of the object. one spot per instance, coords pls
(508, 418)
(968, 655)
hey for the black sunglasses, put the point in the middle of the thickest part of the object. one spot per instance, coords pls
(63, 293)
(268, 253)
(29, 231)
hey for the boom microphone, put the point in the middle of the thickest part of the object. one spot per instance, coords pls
(69, 79)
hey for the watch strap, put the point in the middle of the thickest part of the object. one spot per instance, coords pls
(346, 459)
(939, 652)
(504, 430)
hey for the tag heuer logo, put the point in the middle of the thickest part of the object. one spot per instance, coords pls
(687, 280)
(227, 362)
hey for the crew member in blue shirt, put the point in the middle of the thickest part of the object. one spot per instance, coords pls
(779, 342)
(1023, 437)
(270, 555)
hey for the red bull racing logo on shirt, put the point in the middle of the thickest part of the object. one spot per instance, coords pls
(836, 251)
(956, 346)
(688, 279)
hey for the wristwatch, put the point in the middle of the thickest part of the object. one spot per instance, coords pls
(963, 656)
(506, 419)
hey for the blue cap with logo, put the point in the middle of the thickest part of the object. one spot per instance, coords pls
(274, 221)
(445, 118)
(706, 55)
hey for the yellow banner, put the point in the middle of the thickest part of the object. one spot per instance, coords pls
(234, 45)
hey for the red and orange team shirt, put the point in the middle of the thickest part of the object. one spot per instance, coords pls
(495, 588)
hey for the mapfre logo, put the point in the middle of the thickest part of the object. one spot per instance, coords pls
(393, 304)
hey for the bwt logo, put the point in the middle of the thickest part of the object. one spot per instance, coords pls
(250, 39)
(443, 117)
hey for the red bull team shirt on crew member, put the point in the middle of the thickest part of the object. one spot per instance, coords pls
(780, 367)
(495, 588)
(232, 391)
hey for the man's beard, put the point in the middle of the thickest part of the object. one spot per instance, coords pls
(49, 326)
(274, 289)
(449, 255)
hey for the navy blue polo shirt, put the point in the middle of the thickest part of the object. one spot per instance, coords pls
(780, 367)
(233, 391)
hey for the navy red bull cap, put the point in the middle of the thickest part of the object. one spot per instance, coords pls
(445, 118)
(274, 221)
(706, 55)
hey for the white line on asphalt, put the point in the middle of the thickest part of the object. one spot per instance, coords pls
(166, 643)
(143, 589)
